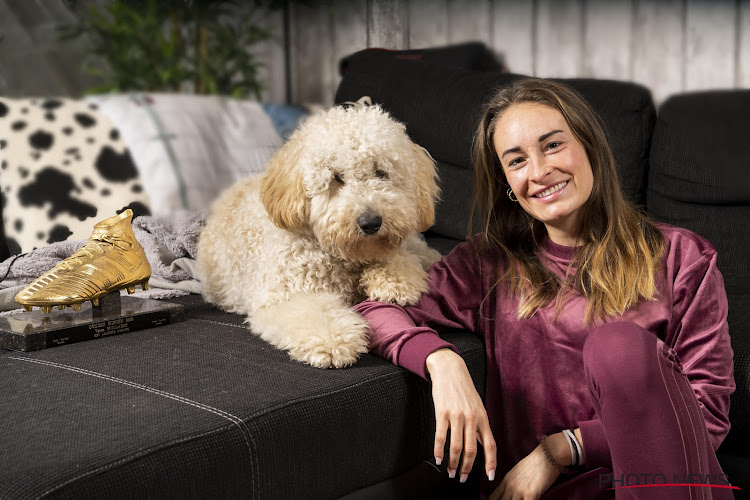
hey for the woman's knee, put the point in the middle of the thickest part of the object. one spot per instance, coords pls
(620, 351)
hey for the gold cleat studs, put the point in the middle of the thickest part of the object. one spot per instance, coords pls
(61, 307)
(46, 309)
(95, 302)
(131, 289)
(28, 308)
(76, 307)
(144, 285)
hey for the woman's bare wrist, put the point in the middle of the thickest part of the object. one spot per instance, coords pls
(558, 446)
(440, 358)
(577, 432)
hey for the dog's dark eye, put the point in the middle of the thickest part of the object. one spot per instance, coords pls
(381, 174)
(337, 177)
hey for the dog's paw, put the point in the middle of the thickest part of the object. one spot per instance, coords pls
(400, 281)
(323, 352)
(317, 329)
(403, 294)
(427, 256)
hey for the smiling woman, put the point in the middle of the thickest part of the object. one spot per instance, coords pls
(603, 329)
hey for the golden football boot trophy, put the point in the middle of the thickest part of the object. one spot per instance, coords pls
(110, 260)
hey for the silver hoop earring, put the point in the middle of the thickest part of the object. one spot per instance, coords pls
(509, 192)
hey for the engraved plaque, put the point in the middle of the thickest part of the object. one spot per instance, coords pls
(115, 314)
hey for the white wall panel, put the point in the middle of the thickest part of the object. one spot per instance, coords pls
(349, 36)
(271, 54)
(469, 20)
(710, 31)
(311, 46)
(388, 24)
(428, 23)
(559, 38)
(32, 61)
(608, 34)
(513, 34)
(742, 78)
(658, 57)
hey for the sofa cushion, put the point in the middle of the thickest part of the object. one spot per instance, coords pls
(205, 409)
(441, 107)
(700, 174)
(64, 167)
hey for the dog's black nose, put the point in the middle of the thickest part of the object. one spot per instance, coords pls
(370, 223)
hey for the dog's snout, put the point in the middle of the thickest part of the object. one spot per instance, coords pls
(370, 223)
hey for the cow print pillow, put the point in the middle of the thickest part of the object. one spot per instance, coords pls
(63, 168)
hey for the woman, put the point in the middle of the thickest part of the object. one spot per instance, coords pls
(604, 331)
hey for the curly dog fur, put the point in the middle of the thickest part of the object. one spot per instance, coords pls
(334, 220)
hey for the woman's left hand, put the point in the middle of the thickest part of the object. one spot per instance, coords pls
(529, 479)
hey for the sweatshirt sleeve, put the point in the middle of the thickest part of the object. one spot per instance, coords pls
(700, 337)
(406, 336)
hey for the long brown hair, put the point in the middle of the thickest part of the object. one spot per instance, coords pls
(619, 256)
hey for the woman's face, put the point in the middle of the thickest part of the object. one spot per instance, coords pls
(546, 167)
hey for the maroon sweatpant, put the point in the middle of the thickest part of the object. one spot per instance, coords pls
(651, 418)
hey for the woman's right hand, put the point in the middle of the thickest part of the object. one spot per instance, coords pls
(459, 408)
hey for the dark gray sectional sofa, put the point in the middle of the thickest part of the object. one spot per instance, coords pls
(204, 409)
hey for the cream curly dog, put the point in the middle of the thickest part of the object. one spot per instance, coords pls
(333, 220)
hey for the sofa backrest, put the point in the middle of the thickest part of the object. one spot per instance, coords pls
(700, 174)
(441, 107)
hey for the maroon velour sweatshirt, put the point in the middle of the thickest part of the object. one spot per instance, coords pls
(535, 379)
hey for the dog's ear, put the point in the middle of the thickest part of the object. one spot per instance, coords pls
(282, 191)
(427, 187)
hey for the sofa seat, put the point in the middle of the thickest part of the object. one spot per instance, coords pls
(205, 409)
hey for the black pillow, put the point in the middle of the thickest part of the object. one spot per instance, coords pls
(441, 107)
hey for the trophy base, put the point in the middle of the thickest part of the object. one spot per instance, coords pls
(115, 314)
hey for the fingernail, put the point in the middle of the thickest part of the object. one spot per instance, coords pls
(451, 474)
(491, 475)
(438, 460)
(463, 478)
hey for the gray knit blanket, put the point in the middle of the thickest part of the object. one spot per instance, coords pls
(170, 245)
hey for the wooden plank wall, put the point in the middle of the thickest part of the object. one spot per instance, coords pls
(668, 45)
(32, 61)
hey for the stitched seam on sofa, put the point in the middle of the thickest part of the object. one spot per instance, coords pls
(139, 454)
(164, 137)
(228, 416)
(329, 393)
(241, 325)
